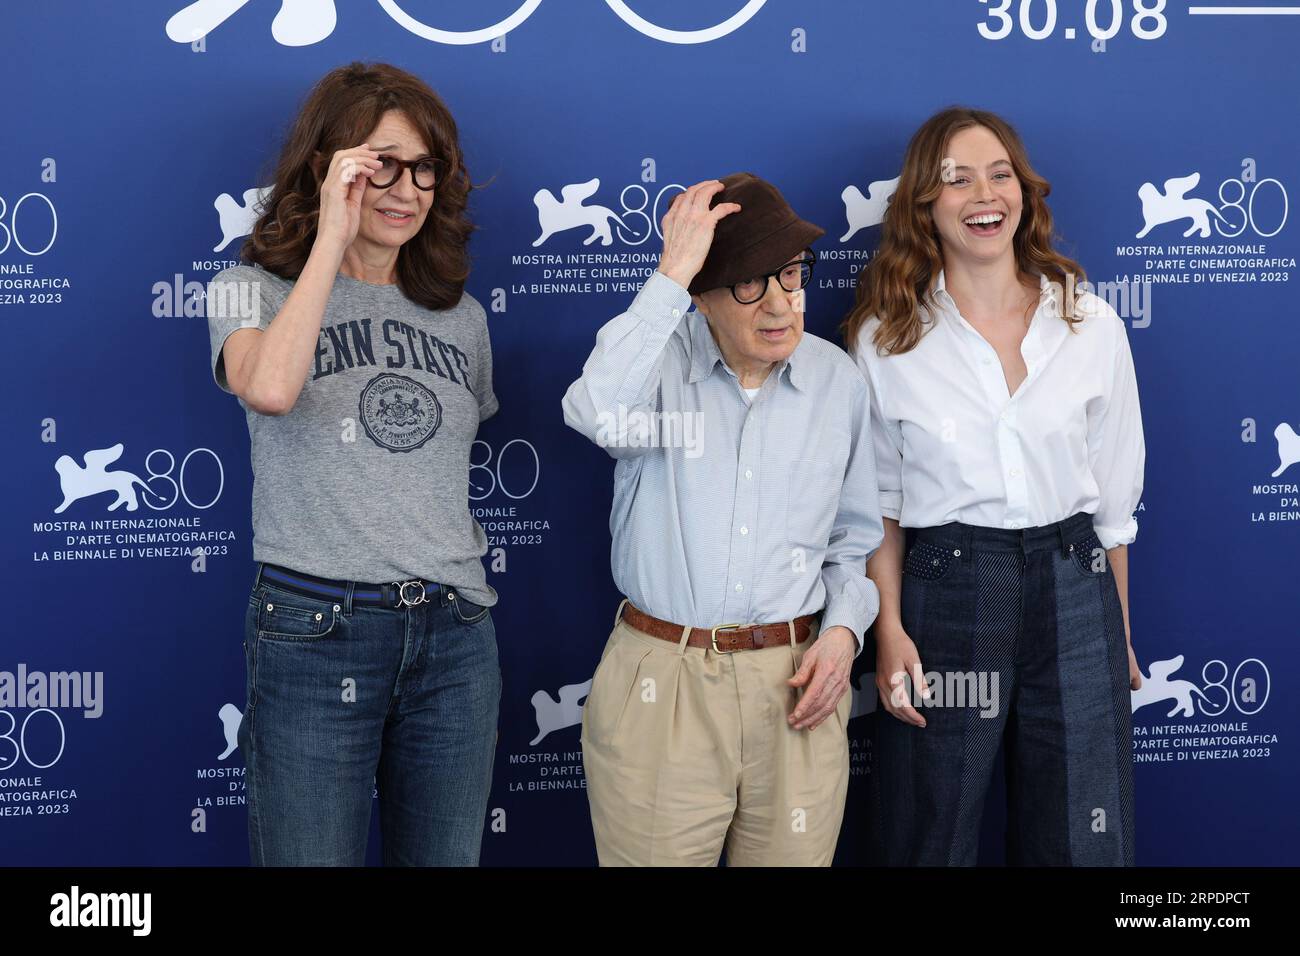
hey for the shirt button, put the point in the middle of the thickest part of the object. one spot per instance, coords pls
(677, 313)
(740, 587)
(744, 530)
(1014, 472)
(986, 361)
(748, 473)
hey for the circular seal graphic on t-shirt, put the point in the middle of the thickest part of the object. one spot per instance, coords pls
(398, 413)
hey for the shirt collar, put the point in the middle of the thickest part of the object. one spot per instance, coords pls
(1048, 292)
(1040, 338)
(705, 355)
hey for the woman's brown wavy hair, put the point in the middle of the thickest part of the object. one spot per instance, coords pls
(895, 284)
(341, 112)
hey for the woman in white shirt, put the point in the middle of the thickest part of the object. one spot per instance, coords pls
(1009, 445)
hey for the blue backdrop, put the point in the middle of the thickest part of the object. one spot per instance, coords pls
(137, 134)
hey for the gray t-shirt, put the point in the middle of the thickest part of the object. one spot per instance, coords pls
(367, 477)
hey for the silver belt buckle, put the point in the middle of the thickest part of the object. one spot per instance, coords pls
(405, 601)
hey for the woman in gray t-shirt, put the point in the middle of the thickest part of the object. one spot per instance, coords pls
(364, 369)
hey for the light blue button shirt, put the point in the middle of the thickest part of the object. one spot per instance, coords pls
(728, 511)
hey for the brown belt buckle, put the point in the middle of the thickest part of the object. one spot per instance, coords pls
(713, 636)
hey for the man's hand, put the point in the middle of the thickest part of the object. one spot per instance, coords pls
(688, 230)
(824, 675)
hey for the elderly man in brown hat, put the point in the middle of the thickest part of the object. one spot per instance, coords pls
(745, 508)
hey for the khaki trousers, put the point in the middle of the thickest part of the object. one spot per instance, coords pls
(687, 752)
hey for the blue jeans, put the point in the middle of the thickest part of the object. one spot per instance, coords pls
(343, 697)
(1032, 618)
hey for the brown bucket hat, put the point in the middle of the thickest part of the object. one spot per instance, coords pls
(764, 235)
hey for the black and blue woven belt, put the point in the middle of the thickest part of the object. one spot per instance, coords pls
(394, 595)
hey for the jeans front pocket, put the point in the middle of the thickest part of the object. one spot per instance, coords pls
(1089, 556)
(287, 616)
(930, 562)
(465, 610)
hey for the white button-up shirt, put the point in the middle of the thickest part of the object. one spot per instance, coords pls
(952, 445)
(771, 513)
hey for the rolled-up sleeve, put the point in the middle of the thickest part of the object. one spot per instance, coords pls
(1116, 447)
(852, 600)
(623, 372)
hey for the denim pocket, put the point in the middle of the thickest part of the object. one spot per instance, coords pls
(465, 610)
(929, 562)
(1089, 556)
(286, 616)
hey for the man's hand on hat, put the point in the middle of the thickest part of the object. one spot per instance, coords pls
(688, 230)
(824, 675)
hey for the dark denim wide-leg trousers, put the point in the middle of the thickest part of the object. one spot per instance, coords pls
(1021, 636)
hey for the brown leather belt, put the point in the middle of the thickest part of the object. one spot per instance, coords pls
(724, 638)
